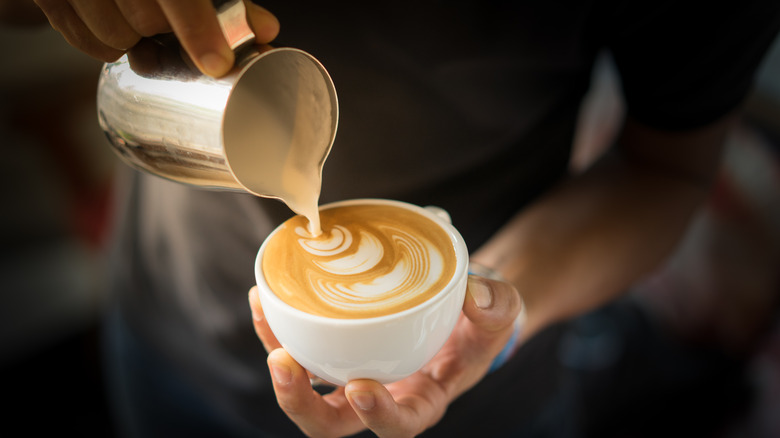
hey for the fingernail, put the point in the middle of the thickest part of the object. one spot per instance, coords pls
(214, 64)
(254, 302)
(363, 399)
(480, 292)
(281, 374)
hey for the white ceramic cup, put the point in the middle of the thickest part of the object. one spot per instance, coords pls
(385, 348)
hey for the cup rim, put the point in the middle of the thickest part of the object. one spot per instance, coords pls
(461, 270)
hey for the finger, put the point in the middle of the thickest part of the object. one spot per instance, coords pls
(416, 404)
(106, 22)
(491, 305)
(489, 314)
(409, 406)
(195, 24)
(144, 16)
(314, 414)
(263, 330)
(261, 324)
(264, 24)
(63, 18)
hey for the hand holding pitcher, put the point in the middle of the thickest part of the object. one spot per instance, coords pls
(106, 30)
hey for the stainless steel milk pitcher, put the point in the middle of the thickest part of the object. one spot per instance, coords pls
(276, 108)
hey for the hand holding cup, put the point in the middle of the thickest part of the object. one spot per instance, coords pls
(360, 353)
(411, 405)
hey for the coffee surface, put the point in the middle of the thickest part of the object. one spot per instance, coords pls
(370, 260)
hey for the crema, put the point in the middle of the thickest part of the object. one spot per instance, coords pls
(370, 260)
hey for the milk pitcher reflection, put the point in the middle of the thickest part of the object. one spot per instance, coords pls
(265, 128)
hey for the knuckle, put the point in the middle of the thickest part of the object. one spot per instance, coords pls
(87, 43)
(144, 16)
(148, 24)
(115, 36)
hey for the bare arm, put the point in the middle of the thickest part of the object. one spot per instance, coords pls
(579, 246)
(599, 232)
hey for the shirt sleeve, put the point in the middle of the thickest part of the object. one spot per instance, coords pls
(685, 64)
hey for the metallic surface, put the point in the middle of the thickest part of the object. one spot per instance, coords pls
(164, 117)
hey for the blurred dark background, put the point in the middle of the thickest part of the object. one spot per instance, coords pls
(56, 177)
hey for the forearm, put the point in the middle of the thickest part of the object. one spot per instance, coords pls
(596, 234)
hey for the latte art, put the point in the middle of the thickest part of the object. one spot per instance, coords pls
(370, 260)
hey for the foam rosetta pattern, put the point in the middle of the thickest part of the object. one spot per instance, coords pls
(370, 260)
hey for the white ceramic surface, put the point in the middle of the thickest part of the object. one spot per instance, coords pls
(385, 348)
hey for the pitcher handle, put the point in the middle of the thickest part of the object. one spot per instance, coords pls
(233, 21)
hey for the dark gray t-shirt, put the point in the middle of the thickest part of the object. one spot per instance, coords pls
(470, 106)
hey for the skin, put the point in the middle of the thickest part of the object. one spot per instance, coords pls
(588, 240)
(407, 407)
(106, 29)
(577, 247)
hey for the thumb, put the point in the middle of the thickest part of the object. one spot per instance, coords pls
(492, 309)
(491, 305)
